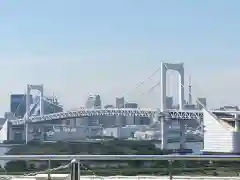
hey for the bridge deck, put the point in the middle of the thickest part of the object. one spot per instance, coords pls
(142, 112)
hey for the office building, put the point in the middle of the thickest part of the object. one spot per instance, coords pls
(131, 105)
(120, 102)
(94, 102)
(52, 106)
(169, 102)
(120, 120)
(131, 120)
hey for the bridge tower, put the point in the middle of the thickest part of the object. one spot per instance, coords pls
(29, 89)
(163, 84)
(180, 69)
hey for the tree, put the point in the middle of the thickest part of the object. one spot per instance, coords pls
(16, 166)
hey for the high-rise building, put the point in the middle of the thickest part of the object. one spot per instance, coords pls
(201, 102)
(169, 102)
(120, 120)
(52, 106)
(94, 102)
(132, 119)
(120, 102)
(18, 104)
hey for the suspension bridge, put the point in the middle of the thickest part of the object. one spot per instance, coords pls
(181, 113)
(35, 112)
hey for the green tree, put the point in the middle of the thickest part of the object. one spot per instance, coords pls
(16, 166)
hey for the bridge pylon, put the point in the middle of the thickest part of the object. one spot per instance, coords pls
(175, 67)
(31, 87)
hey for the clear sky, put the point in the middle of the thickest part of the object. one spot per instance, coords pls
(77, 47)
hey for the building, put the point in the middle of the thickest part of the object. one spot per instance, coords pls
(36, 131)
(94, 102)
(52, 106)
(169, 102)
(200, 102)
(131, 105)
(122, 132)
(109, 106)
(190, 106)
(120, 102)
(132, 120)
(221, 133)
(59, 133)
(120, 120)
(18, 104)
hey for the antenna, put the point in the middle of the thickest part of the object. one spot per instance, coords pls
(190, 91)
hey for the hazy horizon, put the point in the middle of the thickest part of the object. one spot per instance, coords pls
(108, 47)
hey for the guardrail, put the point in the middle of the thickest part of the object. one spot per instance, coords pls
(76, 159)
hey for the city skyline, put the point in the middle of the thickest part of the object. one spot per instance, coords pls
(108, 48)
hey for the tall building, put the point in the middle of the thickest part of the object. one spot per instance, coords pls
(120, 102)
(202, 101)
(94, 102)
(120, 120)
(52, 106)
(18, 104)
(132, 119)
(169, 102)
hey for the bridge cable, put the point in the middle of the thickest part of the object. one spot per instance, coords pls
(142, 82)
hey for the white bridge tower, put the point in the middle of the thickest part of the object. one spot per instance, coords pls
(180, 69)
(163, 84)
(30, 87)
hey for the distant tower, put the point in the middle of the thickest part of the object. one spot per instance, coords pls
(190, 91)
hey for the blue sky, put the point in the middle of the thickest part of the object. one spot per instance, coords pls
(78, 47)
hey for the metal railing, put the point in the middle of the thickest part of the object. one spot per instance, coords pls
(75, 161)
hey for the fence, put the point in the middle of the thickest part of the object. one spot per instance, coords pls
(75, 161)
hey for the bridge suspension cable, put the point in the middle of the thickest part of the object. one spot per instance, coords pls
(142, 82)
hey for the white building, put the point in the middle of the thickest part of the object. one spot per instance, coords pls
(123, 132)
(64, 133)
(221, 132)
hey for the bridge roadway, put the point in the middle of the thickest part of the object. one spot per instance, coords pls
(142, 112)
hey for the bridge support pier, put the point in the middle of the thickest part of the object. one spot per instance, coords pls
(182, 134)
(164, 133)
